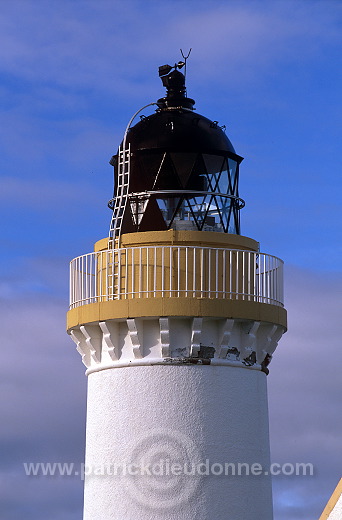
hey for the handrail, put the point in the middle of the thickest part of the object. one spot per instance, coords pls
(176, 271)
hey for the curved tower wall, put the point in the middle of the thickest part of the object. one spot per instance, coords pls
(200, 415)
(177, 378)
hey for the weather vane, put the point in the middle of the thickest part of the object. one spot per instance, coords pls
(164, 70)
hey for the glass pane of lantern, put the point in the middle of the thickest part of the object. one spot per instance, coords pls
(166, 177)
(183, 217)
(138, 206)
(152, 217)
(232, 227)
(224, 205)
(149, 165)
(212, 220)
(174, 209)
(171, 208)
(198, 180)
(224, 185)
(233, 220)
(213, 165)
(232, 174)
(163, 206)
(199, 205)
(183, 164)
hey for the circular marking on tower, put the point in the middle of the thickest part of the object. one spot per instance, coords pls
(163, 469)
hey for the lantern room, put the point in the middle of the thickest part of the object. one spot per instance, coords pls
(175, 169)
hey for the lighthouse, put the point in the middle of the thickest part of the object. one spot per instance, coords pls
(176, 316)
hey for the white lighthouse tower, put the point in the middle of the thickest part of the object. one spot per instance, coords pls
(176, 316)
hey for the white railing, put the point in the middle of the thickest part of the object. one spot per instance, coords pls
(176, 271)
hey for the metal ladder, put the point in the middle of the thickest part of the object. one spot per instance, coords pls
(123, 184)
(124, 164)
(114, 266)
(120, 203)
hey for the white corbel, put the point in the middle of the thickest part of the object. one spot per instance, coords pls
(164, 337)
(110, 336)
(224, 341)
(134, 337)
(196, 333)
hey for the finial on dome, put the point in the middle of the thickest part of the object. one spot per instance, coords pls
(174, 81)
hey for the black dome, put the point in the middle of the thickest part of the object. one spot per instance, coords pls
(179, 130)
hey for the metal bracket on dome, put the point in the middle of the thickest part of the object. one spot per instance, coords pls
(119, 203)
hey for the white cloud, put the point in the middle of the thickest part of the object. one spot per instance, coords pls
(304, 393)
(42, 409)
(86, 44)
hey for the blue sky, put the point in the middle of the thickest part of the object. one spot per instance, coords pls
(72, 74)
